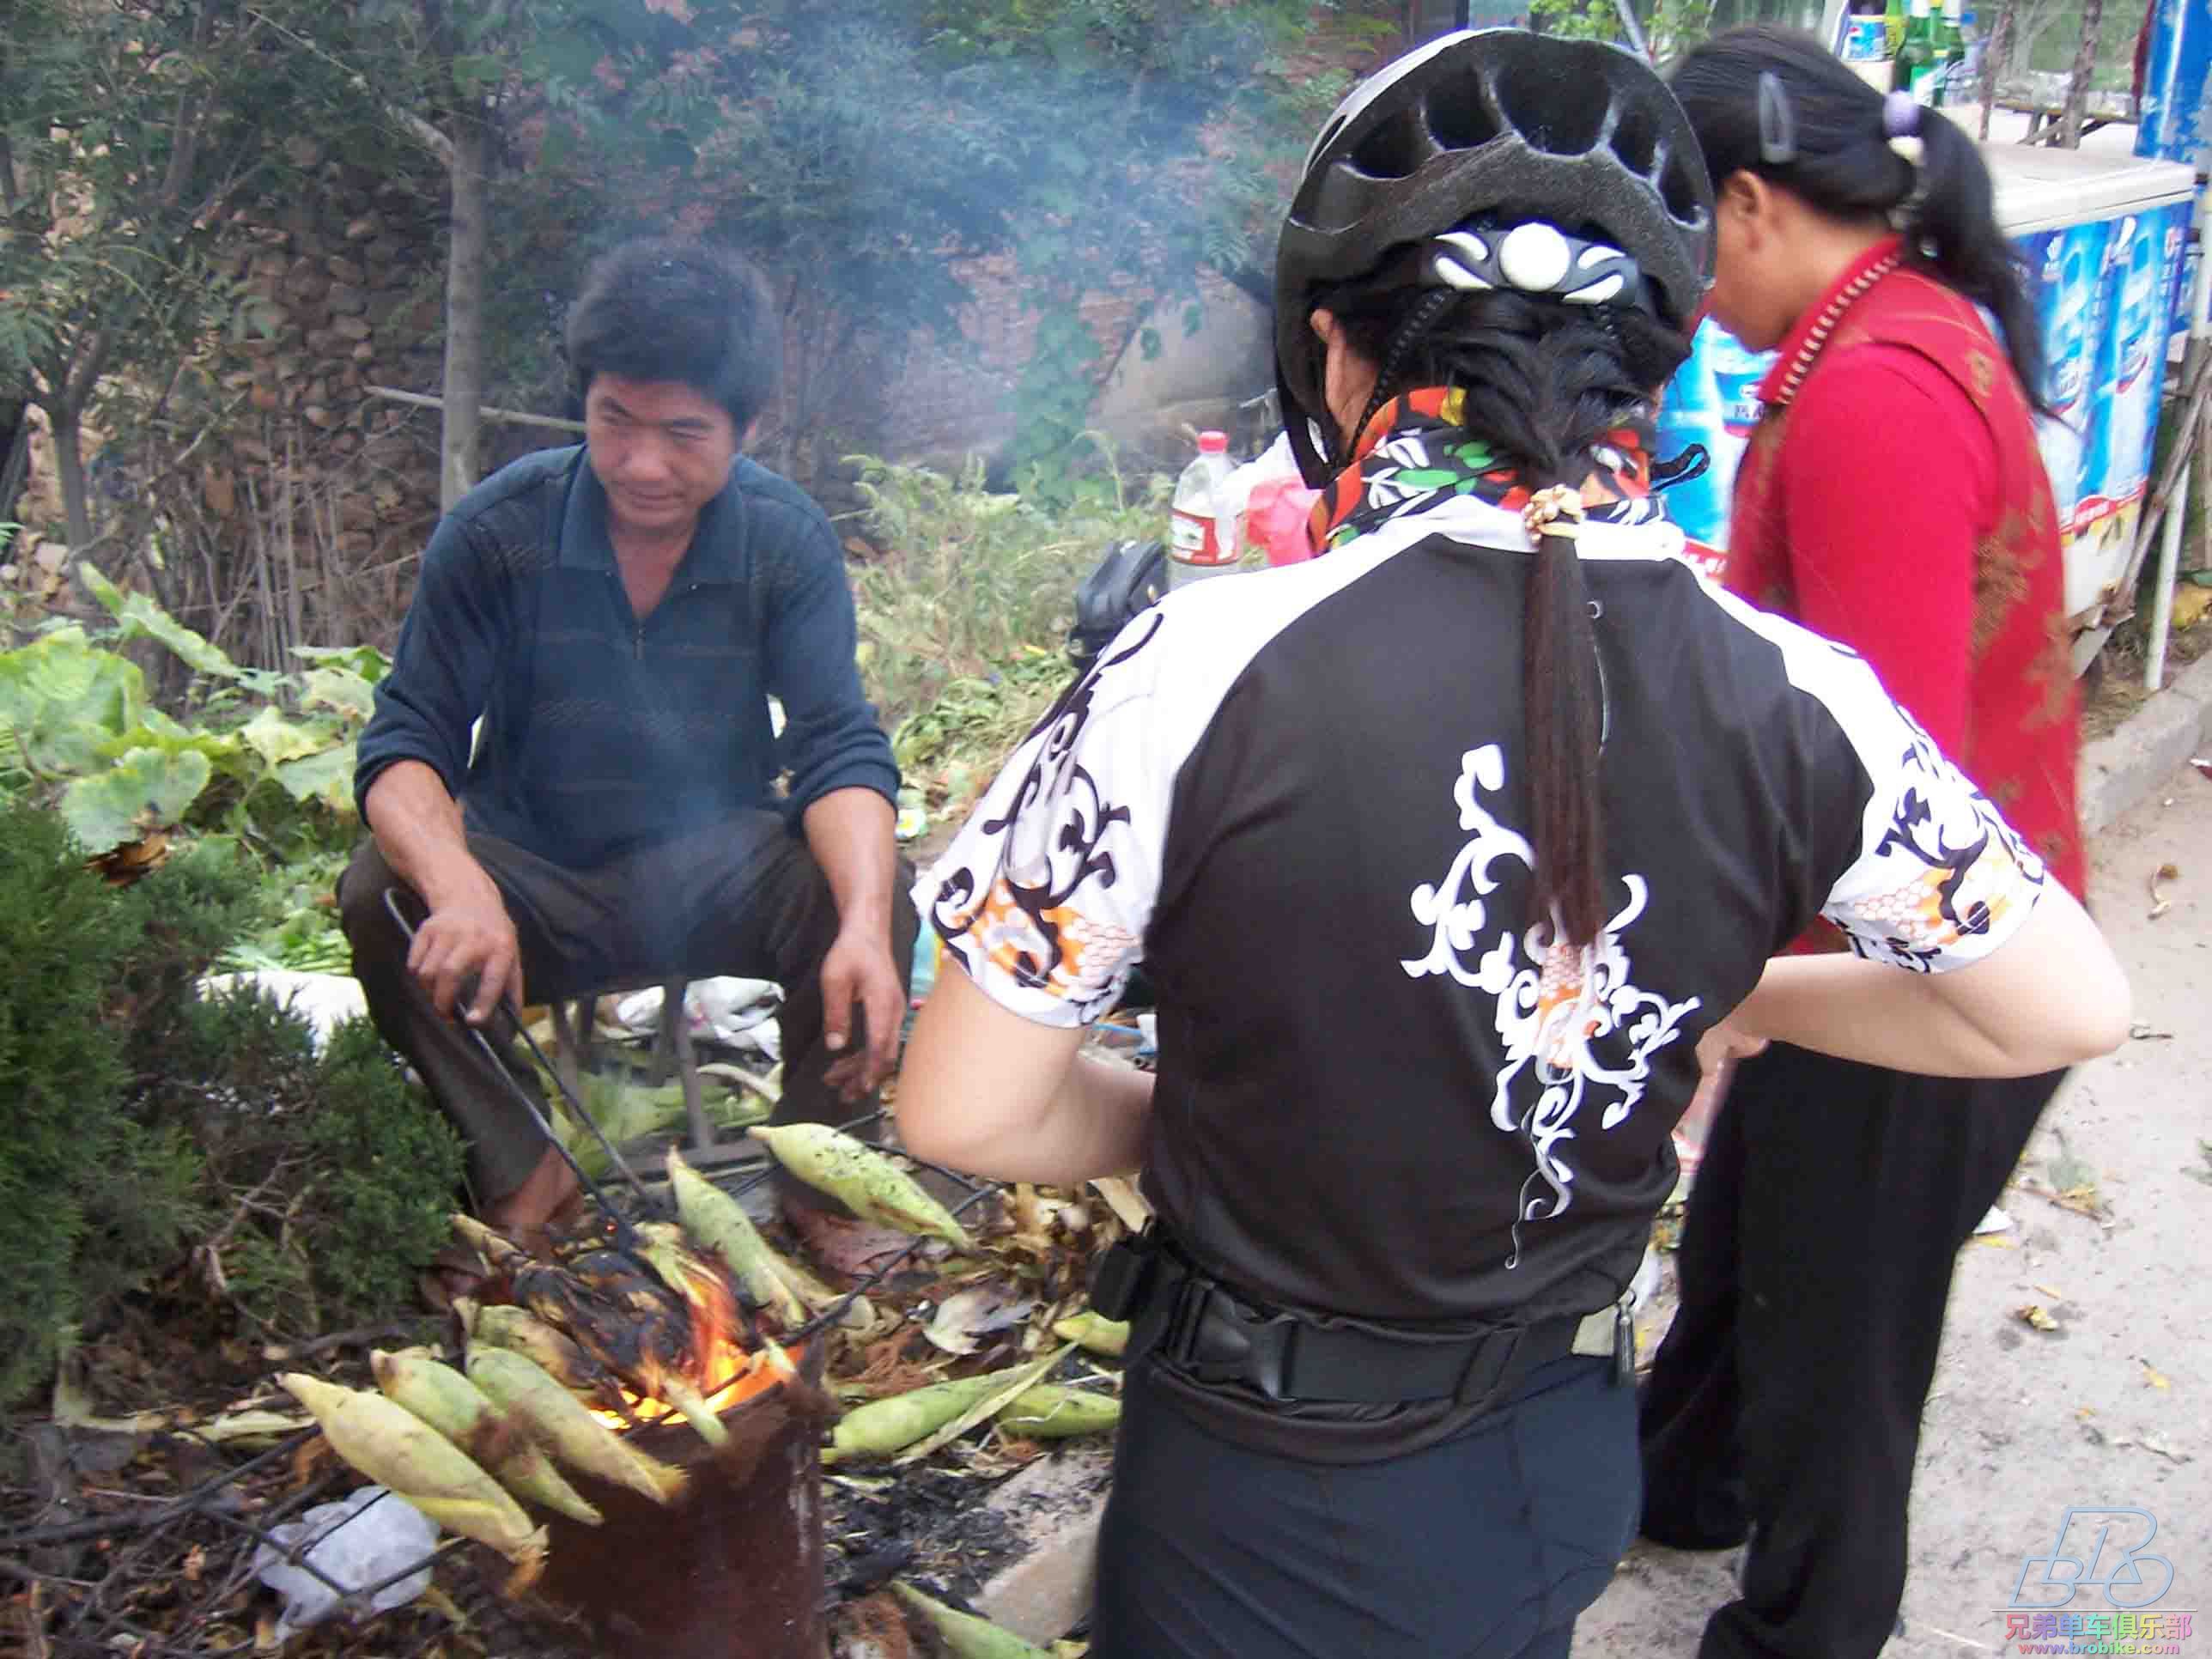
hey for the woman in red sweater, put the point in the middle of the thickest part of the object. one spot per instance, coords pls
(1894, 499)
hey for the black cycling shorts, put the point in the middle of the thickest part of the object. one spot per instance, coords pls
(1487, 1547)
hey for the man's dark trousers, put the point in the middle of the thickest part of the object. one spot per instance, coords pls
(1824, 1222)
(741, 897)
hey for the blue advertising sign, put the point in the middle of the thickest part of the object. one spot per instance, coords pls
(2142, 254)
(2172, 125)
(1712, 402)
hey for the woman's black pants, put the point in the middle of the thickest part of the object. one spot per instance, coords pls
(1784, 1408)
(1485, 1547)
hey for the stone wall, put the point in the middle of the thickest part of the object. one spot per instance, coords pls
(344, 291)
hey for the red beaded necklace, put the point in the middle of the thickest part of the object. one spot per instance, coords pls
(1832, 314)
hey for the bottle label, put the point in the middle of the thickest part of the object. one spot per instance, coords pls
(1865, 40)
(1191, 538)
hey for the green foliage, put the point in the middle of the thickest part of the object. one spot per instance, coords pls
(95, 1194)
(339, 1179)
(60, 1071)
(299, 928)
(962, 620)
(153, 1134)
(74, 719)
(1670, 27)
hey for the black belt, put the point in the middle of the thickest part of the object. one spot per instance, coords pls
(1215, 1336)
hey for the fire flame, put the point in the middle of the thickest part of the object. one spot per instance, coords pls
(719, 1361)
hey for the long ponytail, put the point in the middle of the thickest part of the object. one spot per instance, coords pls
(1564, 700)
(1772, 101)
(1543, 384)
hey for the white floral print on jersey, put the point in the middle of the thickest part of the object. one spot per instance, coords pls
(1578, 1033)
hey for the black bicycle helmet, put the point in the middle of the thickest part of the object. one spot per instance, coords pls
(1573, 149)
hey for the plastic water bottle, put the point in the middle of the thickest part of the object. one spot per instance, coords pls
(1196, 546)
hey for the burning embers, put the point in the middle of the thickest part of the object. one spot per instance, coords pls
(619, 1428)
(642, 1333)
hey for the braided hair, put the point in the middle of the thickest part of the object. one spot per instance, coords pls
(1544, 383)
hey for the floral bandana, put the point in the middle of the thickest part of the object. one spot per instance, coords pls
(1416, 451)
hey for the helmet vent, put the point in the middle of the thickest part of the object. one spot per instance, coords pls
(1635, 141)
(1396, 149)
(1534, 107)
(1458, 115)
(1679, 188)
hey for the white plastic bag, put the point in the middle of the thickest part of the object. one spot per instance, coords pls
(358, 1542)
(737, 1013)
(325, 1001)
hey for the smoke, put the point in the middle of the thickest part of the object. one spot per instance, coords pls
(874, 156)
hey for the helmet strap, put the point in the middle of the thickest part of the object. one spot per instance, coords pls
(1425, 311)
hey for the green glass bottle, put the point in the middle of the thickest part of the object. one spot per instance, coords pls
(1893, 25)
(1916, 54)
(1949, 78)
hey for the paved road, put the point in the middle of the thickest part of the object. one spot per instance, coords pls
(2114, 1408)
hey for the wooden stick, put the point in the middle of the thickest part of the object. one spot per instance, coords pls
(511, 417)
(2073, 1206)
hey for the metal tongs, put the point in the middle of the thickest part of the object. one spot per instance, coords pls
(626, 1241)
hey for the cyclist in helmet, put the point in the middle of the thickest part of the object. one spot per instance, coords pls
(1446, 852)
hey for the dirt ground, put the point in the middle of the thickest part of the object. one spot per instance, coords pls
(2113, 1409)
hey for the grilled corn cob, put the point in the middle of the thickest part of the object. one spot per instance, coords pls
(1049, 1411)
(566, 1429)
(863, 1179)
(718, 1224)
(457, 1409)
(392, 1446)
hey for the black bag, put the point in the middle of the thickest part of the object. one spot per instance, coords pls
(1128, 580)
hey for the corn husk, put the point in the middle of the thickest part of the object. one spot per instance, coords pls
(963, 1635)
(1049, 1411)
(861, 1178)
(1094, 1333)
(392, 1446)
(917, 1422)
(457, 1409)
(818, 1297)
(502, 1253)
(517, 1330)
(718, 1224)
(564, 1427)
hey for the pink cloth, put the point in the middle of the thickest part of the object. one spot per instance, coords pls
(1278, 518)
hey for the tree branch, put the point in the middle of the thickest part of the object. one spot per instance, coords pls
(414, 125)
